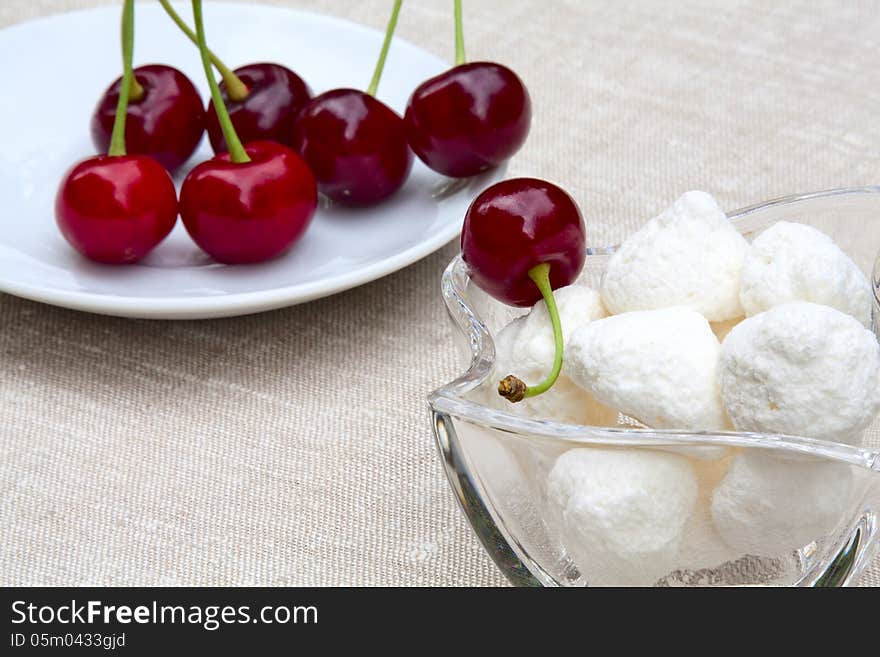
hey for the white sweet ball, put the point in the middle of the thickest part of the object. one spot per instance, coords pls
(796, 262)
(658, 366)
(533, 333)
(767, 506)
(526, 348)
(690, 255)
(622, 511)
(801, 369)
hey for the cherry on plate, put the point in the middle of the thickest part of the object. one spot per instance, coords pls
(275, 96)
(248, 212)
(115, 209)
(468, 119)
(166, 122)
(355, 145)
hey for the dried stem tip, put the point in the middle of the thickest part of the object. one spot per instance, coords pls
(512, 388)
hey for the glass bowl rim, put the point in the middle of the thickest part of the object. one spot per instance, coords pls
(449, 399)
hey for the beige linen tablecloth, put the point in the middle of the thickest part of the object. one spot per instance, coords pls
(293, 447)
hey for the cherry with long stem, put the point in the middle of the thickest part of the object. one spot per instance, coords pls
(522, 239)
(165, 120)
(355, 144)
(249, 204)
(166, 116)
(115, 208)
(262, 99)
(469, 119)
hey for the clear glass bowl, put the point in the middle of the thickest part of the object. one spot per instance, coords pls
(820, 533)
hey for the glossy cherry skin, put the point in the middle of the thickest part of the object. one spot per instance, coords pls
(469, 119)
(515, 225)
(250, 212)
(355, 145)
(276, 95)
(166, 123)
(116, 209)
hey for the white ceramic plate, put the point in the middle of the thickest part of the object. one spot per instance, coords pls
(60, 67)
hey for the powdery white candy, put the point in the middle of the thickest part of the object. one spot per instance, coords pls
(690, 255)
(796, 262)
(658, 366)
(525, 347)
(622, 512)
(801, 369)
(767, 506)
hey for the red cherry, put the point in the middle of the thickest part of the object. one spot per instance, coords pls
(116, 209)
(252, 211)
(471, 118)
(275, 97)
(166, 123)
(515, 225)
(355, 145)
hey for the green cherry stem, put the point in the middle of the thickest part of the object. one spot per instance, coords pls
(236, 89)
(459, 36)
(236, 151)
(514, 389)
(117, 137)
(137, 90)
(389, 33)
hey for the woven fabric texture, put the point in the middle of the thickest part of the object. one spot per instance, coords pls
(293, 447)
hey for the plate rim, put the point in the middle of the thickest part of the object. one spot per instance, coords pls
(227, 305)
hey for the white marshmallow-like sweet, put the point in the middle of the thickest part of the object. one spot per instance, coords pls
(767, 506)
(525, 347)
(658, 366)
(796, 262)
(622, 512)
(690, 255)
(801, 369)
(577, 305)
